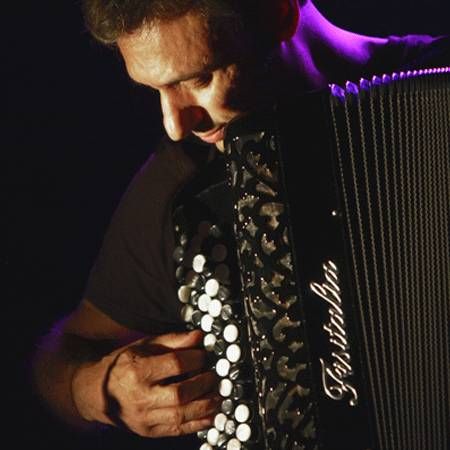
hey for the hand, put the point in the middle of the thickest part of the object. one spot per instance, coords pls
(138, 389)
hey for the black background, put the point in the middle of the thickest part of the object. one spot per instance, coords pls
(74, 132)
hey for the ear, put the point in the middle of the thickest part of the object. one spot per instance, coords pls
(284, 16)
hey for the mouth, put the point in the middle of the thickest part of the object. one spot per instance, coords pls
(212, 137)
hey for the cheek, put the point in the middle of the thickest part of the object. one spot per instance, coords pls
(218, 98)
(238, 95)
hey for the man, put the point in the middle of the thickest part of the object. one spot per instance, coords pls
(120, 359)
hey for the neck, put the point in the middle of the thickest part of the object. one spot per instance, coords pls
(320, 52)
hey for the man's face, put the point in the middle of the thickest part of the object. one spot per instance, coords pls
(197, 90)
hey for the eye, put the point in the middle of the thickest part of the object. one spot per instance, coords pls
(203, 80)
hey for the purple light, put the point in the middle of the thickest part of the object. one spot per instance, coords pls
(337, 91)
(351, 88)
(376, 81)
(364, 84)
(385, 79)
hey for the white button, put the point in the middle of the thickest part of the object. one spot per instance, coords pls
(219, 421)
(242, 413)
(243, 432)
(203, 302)
(234, 444)
(206, 446)
(222, 367)
(212, 436)
(198, 263)
(184, 293)
(230, 333)
(214, 308)
(206, 323)
(233, 353)
(212, 287)
(208, 342)
(230, 427)
(225, 387)
(223, 293)
(186, 313)
(191, 278)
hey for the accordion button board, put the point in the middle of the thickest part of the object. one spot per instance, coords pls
(326, 312)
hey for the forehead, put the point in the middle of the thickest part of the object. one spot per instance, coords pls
(166, 50)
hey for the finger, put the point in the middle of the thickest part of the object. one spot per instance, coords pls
(183, 392)
(158, 345)
(160, 367)
(179, 340)
(174, 417)
(185, 428)
(200, 408)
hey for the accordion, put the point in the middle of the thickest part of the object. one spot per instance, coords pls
(334, 332)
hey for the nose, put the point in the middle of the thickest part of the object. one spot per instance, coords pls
(180, 115)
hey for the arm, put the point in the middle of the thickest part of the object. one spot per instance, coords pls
(91, 369)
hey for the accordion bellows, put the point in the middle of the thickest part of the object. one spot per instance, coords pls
(341, 226)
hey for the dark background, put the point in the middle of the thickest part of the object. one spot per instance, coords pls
(74, 132)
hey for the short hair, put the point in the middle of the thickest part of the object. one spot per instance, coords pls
(107, 20)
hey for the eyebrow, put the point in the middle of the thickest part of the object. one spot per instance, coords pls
(208, 68)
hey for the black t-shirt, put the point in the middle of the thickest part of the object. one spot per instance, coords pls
(133, 279)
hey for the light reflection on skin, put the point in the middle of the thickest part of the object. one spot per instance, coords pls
(175, 58)
(200, 94)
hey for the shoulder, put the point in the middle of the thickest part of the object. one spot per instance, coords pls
(420, 51)
(154, 186)
(140, 229)
(168, 167)
(132, 279)
(409, 52)
(433, 53)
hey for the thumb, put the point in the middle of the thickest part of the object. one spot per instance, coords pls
(179, 340)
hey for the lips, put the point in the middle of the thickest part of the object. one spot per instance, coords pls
(214, 137)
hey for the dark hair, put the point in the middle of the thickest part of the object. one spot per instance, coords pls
(107, 20)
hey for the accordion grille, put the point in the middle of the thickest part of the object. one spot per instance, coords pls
(393, 143)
